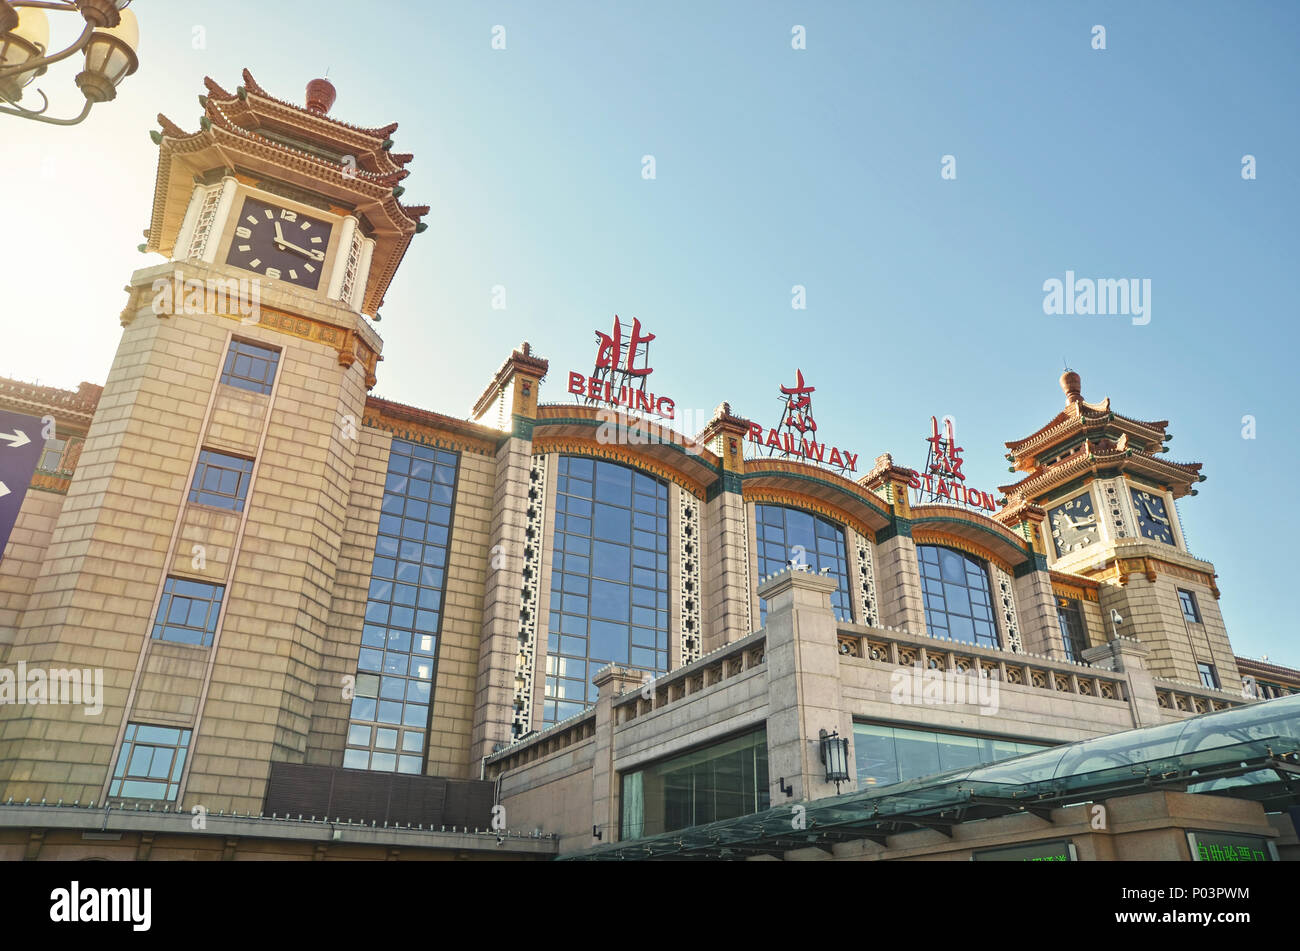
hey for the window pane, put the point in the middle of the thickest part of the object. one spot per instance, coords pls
(592, 600)
(790, 535)
(958, 599)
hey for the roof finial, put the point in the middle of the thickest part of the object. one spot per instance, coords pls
(320, 96)
(1072, 386)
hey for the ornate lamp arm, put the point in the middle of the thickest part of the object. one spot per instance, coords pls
(16, 110)
(33, 64)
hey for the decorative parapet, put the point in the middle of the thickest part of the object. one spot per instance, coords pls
(1178, 696)
(710, 670)
(893, 648)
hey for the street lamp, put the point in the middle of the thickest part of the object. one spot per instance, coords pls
(109, 40)
(835, 756)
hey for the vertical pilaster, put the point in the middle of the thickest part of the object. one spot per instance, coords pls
(503, 700)
(726, 582)
(802, 660)
(611, 683)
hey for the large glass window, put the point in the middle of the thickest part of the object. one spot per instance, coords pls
(785, 535)
(188, 612)
(399, 640)
(721, 781)
(609, 581)
(1191, 611)
(958, 599)
(1070, 618)
(890, 754)
(150, 763)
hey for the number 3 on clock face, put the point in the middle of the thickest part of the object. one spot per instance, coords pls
(1152, 516)
(279, 243)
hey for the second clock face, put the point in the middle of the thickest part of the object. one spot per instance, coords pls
(1152, 517)
(279, 244)
(1073, 524)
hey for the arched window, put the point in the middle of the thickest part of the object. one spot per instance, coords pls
(609, 580)
(787, 534)
(958, 597)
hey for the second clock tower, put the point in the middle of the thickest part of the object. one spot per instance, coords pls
(1109, 495)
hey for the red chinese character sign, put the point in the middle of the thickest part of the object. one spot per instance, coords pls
(620, 376)
(942, 479)
(796, 435)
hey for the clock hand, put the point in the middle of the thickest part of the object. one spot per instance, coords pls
(311, 255)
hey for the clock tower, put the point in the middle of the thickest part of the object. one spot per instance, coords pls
(1109, 493)
(206, 545)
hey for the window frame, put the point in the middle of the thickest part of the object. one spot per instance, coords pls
(249, 384)
(244, 478)
(126, 757)
(1212, 680)
(1186, 597)
(1064, 605)
(766, 565)
(985, 569)
(409, 589)
(575, 620)
(162, 624)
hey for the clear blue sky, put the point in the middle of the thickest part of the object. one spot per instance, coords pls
(778, 167)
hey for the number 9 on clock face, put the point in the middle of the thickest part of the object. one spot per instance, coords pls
(279, 243)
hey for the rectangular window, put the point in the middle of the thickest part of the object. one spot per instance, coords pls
(1191, 610)
(188, 612)
(389, 721)
(150, 763)
(52, 455)
(1072, 634)
(891, 754)
(250, 366)
(1209, 676)
(720, 781)
(221, 480)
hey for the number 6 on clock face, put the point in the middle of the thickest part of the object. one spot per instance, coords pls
(279, 243)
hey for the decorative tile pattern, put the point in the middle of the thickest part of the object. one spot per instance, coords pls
(688, 570)
(350, 269)
(203, 227)
(1010, 620)
(521, 722)
(1116, 504)
(868, 612)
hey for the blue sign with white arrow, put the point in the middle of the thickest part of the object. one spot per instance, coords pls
(20, 449)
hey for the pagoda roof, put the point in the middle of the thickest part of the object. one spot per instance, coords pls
(1101, 455)
(348, 168)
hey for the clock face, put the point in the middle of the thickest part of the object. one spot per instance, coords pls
(1152, 517)
(279, 244)
(1073, 524)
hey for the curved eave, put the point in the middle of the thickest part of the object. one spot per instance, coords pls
(667, 448)
(401, 412)
(1179, 476)
(978, 530)
(1093, 418)
(254, 88)
(181, 159)
(787, 475)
